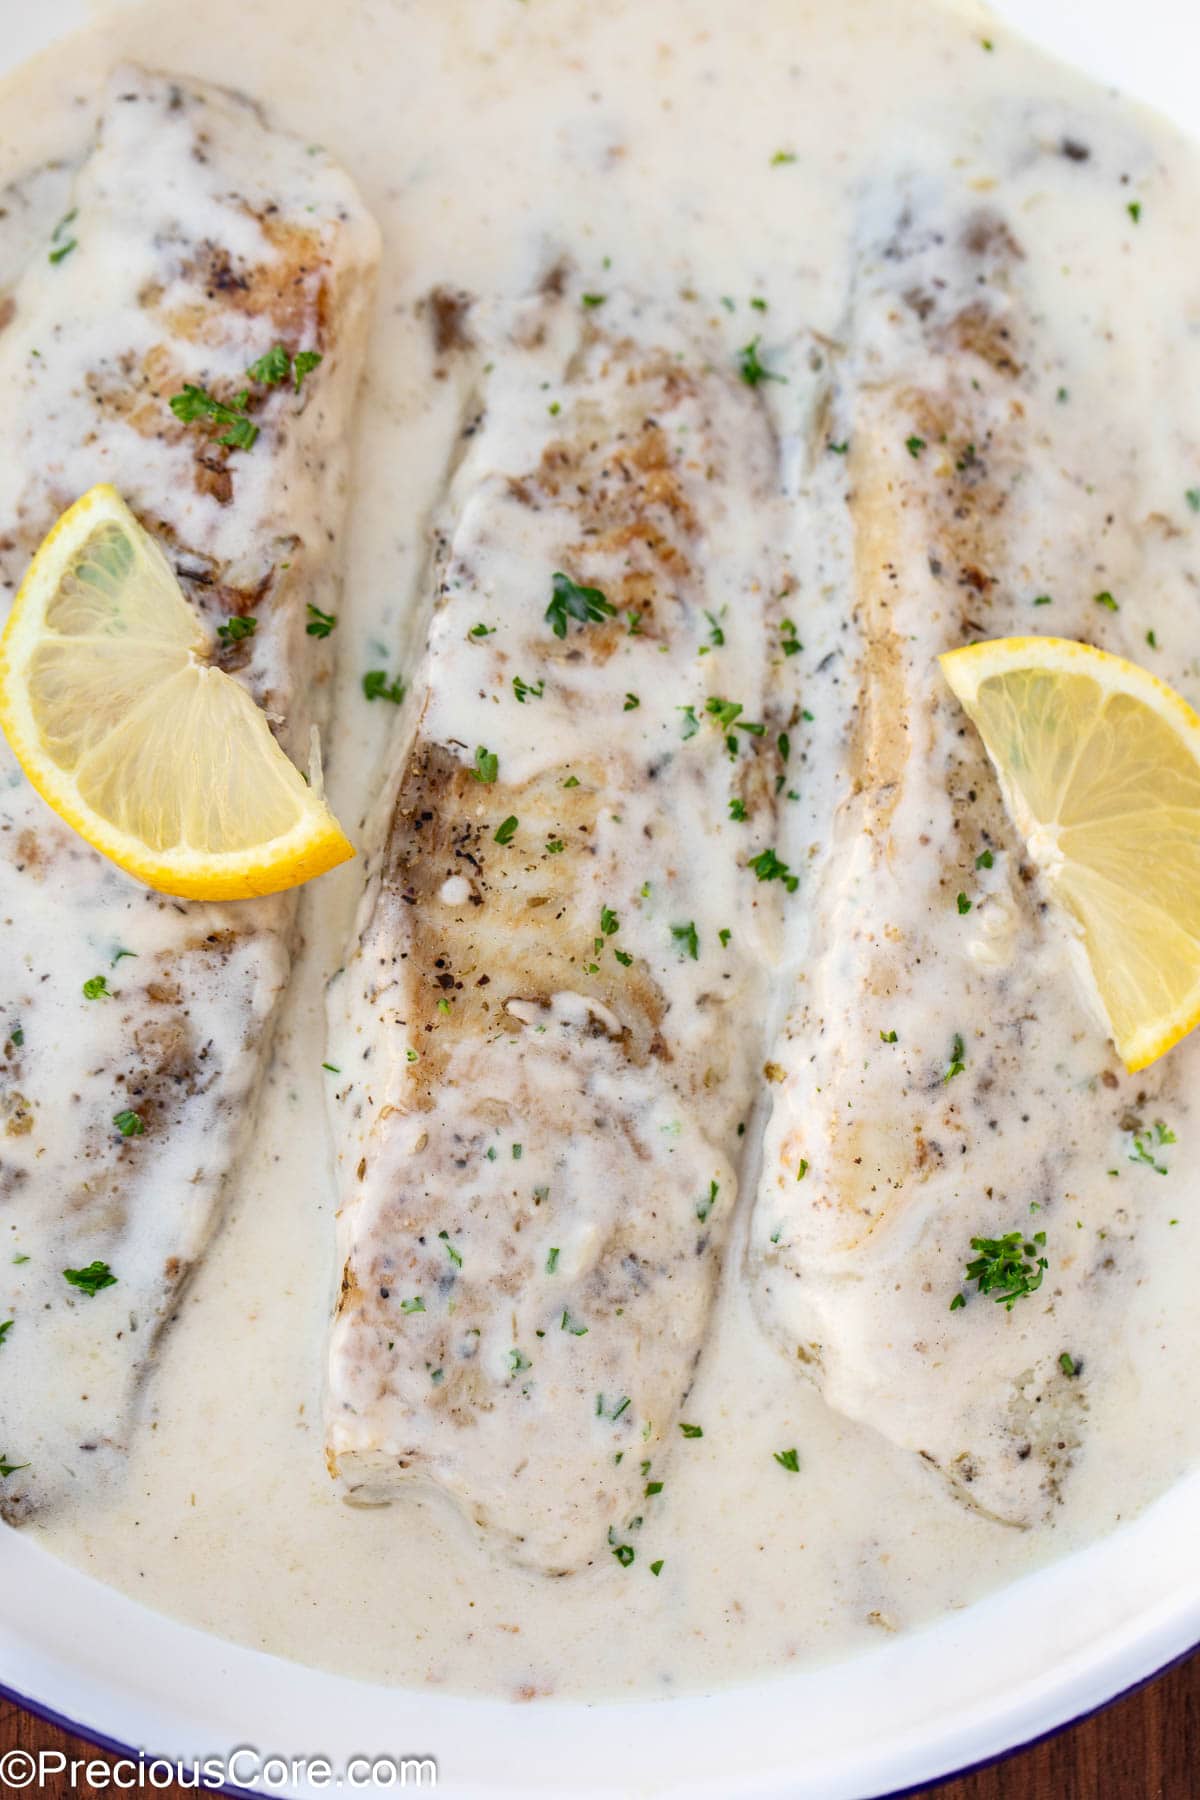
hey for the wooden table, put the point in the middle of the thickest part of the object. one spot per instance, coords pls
(1144, 1748)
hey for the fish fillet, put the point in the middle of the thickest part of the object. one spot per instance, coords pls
(550, 1024)
(196, 240)
(944, 1078)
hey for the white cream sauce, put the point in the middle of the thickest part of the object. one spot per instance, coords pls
(689, 149)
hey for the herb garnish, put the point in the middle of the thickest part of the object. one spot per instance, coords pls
(1008, 1268)
(525, 689)
(237, 627)
(789, 1460)
(687, 936)
(129, 1124)
(487, 766)
(97, 1275)
(957, 1056)
(320, 624)
(194, 403)
(1145, 1142)
(768, 867)
(571, 601)
(376, 686)
(96, 988)
(751, 368)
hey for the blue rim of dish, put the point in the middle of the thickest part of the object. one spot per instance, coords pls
(102, 1742)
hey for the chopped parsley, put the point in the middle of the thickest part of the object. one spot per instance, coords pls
(415, 1305)
(1146, 1142)
(5, 1329)
(686, 935)
(525, 690)
(1067, 1363)
(705, 1205)
(1008, 1268)
(691, 723)
(481, 631)
(506, 831)
(888, 1037)
(451, 1252)
(272, 368)
(7, 1468)
(237, 627)
(984, 860)
(957, 1059)
(487, 766)
(320, 624)
(631, 703)
(518, 1361)
(914, 445)
(1192, 496)
(1043, 600)
(716, 636)
(789, 643)
(1106, 600)
(623, 957)
(593, 299)
(692, 1431)
(63, 248)
(567, 1323)
(656, 1568)
(129, 1124)
(841, 449)
(737, 809)
(789, 1460)
(571, 601)
(89, 1281)
(724, 935)
(555, 847)
(782, 156)
(277, 365)
(963, 904)
(609, 922)
(96, 988)
(303, 363)
(751, 368)
(624, 1554)
(1134, 209)
(376, 686)
(552, 1259)
(193, 403)
(768, 867)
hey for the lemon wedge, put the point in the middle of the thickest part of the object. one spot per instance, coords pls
(1099, 764)
(163, 763)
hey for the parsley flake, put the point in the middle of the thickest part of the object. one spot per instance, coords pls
(571, 601)
(89, 1281)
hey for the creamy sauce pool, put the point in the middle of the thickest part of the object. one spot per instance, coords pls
(695, 153)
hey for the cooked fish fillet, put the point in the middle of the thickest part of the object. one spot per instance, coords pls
(550, 1024)
(944, 1079)
(196, 240)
